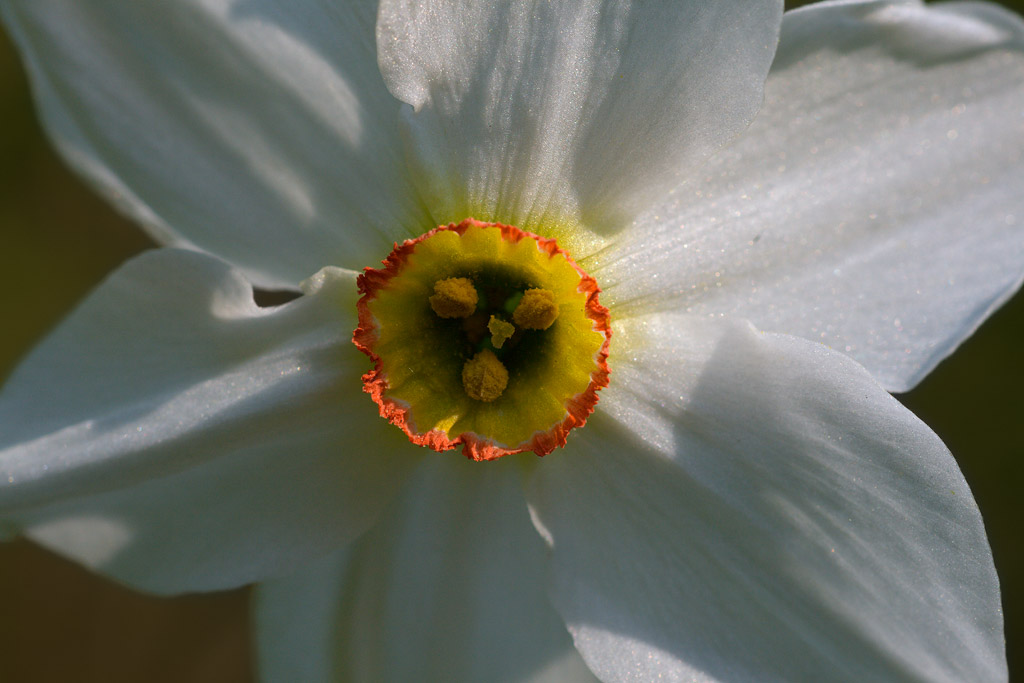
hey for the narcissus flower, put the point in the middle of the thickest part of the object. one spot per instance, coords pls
(551, 229)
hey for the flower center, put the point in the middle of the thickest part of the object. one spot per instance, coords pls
(483, 335)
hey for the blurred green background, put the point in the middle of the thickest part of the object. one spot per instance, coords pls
(59, 623)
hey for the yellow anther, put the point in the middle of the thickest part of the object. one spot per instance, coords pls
(537, 310)
(484, 377)
(500, 330)
(454, 298)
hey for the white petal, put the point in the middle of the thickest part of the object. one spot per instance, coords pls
(259, 131)
(176, 437)
(546, 113)
(751, 506)
(873, 205)
(295, 625)
(448, 587)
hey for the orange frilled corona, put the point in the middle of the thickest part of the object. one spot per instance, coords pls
(485, 336)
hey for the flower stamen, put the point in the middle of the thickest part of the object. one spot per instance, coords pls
(484, 377)
(537, 310)
(454, 297)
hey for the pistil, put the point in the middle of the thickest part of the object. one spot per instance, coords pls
(501, 331)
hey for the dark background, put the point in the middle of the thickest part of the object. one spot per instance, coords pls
(60, 623)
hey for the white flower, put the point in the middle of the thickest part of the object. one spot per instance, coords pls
(742, 505)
